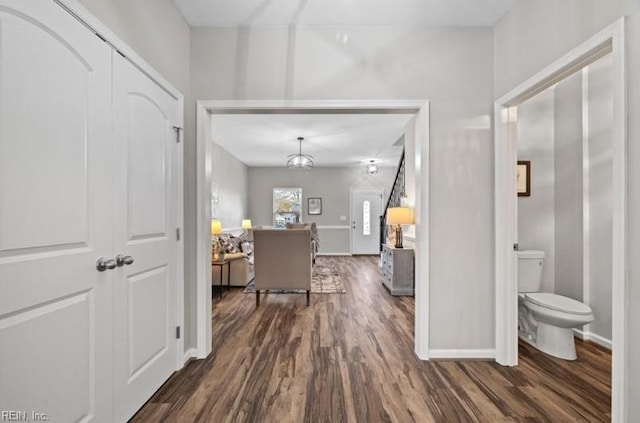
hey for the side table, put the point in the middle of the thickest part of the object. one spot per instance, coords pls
(222, 264)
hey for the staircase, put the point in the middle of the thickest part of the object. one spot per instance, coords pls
(395, 197)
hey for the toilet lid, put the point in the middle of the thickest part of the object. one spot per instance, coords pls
(558, 302)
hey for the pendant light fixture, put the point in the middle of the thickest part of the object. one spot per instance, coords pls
(300, 161)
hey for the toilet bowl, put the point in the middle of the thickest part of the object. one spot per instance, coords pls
(546, 320)
(554, 317)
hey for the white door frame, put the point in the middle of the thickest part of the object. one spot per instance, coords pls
(204, 152)
(76, 9)
(610, 40)
(378, 190)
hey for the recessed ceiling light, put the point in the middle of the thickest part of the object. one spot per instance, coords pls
(372, 167)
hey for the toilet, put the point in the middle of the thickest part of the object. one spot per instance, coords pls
(546, 320)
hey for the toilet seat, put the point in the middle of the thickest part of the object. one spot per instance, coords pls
(558, 303)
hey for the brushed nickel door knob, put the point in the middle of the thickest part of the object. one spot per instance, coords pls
(105, 264)
(121, 260)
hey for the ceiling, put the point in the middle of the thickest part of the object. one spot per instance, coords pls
(233, 13)
(334, 140)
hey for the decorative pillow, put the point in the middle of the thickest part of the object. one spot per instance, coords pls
(223, 242)
(229, 244)
(215, 245)
(236, 245)
(247, 247)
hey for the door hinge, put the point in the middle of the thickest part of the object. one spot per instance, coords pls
(178, 130)
(177, 332)
(516, 247)
(177, 234)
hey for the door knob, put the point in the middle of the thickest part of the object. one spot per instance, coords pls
(121, 260)
(105, 264)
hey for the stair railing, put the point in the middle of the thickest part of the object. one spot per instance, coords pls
(395, 198)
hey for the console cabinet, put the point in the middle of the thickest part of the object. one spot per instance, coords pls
(397, 270)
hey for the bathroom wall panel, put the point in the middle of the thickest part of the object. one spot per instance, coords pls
(536, 213)
(600, 97)
(568, 188)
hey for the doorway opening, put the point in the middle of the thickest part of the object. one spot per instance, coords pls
(609, 41)
(420, 150)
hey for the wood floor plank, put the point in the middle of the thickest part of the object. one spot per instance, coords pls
(350, 358)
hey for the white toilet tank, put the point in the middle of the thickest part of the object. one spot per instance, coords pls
(530, 270)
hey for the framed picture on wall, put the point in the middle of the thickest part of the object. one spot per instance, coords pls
(314, 205)
(524, 178)
(287, 206)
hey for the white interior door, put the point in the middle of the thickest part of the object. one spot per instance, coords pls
(145, 230)
(366, 209)
(55, 215)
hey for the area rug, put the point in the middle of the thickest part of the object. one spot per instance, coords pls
(324, 280)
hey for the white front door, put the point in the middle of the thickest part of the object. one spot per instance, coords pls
(366, 209)
(55, 215)
(145, 230)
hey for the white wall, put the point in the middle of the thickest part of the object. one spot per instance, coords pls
(331, 184)
(568, 187)
(531, 36)
(452, 68)
(535, 33)
(231, 179)
(155, 30)
(536, 214)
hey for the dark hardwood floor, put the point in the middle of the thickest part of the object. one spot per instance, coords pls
(349, 358)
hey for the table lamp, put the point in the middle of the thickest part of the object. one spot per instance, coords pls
(399, 216)
(216, 229)
(246, 227)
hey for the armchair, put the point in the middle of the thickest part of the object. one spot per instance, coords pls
(283, 260)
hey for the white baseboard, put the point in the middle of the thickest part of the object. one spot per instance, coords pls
(421, 355)
(189, 354)
(333, 254)
(597, 339)
(462, 354)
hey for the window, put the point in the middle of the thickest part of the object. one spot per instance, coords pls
(366, 218)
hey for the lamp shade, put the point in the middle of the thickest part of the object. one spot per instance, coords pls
(216, 227)
(246, 223)
(399, 216)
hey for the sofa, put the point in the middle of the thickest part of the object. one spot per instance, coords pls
(283, 260)
(239, 251)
